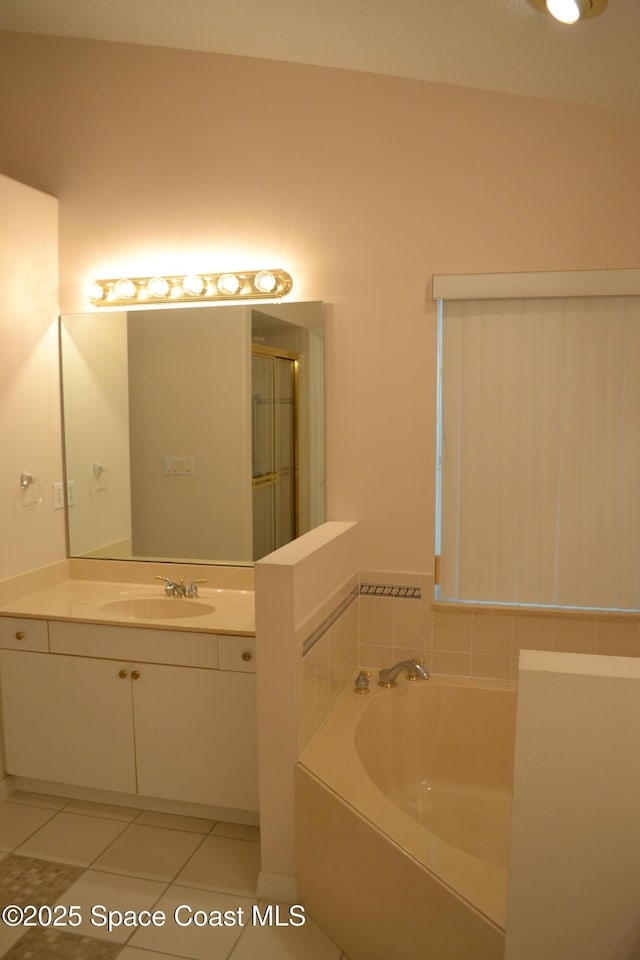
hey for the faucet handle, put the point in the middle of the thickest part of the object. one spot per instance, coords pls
(170, 585)
(173, 588)
(192, 589)
(421, 673)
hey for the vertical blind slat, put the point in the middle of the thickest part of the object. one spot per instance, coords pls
(541, 433)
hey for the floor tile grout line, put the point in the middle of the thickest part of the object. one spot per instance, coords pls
(124, 876)
(152, 879)
(54, 814)
(50, 820)
(160, 953)
(186, 886)
(189, 858)
(235, 945)
(92, 865)
(222, 893)
(220, 836)
(110, 844)
(125, 825)
(151, 907)
(139, 813)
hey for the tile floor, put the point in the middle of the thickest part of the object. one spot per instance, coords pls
(98, 858)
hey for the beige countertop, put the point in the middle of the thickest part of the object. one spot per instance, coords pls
(225, 611)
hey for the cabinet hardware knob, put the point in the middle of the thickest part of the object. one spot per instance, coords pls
(122, 674)
(20, 635)
(135, 674)
(247, 655)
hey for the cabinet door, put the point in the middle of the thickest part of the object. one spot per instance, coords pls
(196, 735)
(68, 719)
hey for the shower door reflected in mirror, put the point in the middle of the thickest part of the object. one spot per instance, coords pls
(274, 450)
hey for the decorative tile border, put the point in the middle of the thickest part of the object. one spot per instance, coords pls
(313, 638)
(389, 590)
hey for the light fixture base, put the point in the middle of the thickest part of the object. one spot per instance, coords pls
(592, 8)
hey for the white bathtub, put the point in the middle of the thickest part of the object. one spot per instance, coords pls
(413, 786)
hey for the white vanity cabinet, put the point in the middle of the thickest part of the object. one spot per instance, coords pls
(94, 711)
(68, 719)
(195, 735)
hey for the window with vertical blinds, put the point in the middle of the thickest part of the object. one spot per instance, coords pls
(539, 451)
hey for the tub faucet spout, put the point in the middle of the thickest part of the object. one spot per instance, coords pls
(415, 671)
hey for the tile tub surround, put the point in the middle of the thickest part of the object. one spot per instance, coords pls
(205, 864)
(395, 618)
(327, 656)
(488, 644)
(455, 640)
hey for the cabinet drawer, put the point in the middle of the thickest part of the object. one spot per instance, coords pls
(237, 653)
(20, 633)
(134, 643)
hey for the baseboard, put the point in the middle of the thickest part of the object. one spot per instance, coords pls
(277, 889)
(157, 804)
(7, 787)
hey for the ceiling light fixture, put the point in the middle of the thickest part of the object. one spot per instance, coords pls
(202, 287)
(571, 11)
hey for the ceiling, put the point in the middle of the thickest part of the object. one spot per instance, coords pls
(504, 45)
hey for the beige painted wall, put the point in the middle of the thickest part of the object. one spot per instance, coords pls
(362, 186)
(31, 532)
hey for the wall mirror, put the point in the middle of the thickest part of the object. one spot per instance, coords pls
(193, 434)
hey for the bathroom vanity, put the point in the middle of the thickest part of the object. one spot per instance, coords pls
(145, 711)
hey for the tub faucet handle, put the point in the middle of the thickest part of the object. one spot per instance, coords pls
(361, 684)
(417, 673)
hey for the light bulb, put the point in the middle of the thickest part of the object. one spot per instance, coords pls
(265, 281)
(97, 292)
(158, 287)
(125, 289)
(228, 283)
(566, 11)
(193, 285)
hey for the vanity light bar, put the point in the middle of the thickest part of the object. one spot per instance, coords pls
(241, 285)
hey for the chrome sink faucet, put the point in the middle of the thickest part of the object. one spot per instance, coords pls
(174, 589)
(415, 671)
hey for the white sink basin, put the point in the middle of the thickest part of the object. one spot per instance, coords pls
(156, 608)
